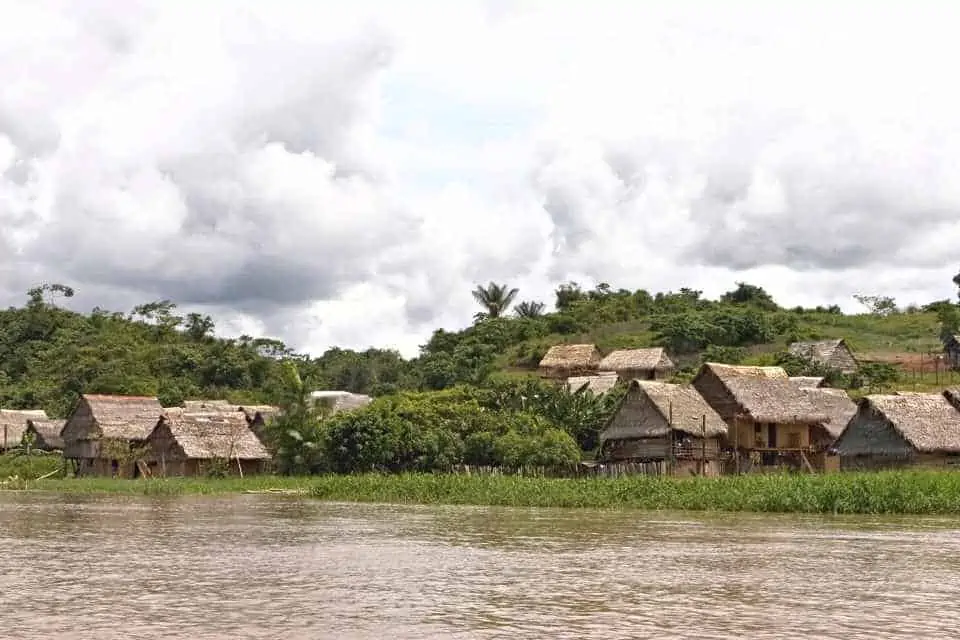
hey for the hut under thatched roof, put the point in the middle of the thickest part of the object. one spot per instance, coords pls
(808, 382)
(598, 384)
(13, 424)
(565, 360)
(639, 364)
(102, 432)
(758, 394)
(833, 353)
(902, 429)
(772, 421)
(337, 401)
(184, 443)
(45, 433)
(654, 417)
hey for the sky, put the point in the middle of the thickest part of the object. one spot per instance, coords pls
(335, 176)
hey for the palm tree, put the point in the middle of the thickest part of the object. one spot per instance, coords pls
(494, 298)
(528, 309)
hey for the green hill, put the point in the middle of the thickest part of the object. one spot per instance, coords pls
(48, 354)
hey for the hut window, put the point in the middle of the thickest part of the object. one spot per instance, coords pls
(756, 429)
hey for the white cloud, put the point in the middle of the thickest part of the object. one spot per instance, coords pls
(345, 175)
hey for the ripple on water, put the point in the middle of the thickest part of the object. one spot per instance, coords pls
(263, 567)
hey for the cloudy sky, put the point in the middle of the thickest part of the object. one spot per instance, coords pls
(335, 176)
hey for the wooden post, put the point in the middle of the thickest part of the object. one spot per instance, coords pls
(669, 469)
(703, 445)
(4, 437)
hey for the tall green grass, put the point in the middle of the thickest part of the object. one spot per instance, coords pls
(17, 464)
(903, 492)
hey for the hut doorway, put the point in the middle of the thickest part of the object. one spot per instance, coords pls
(772, 435)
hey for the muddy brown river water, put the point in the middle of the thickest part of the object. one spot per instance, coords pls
(286, 568)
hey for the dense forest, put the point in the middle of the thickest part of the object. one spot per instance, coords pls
(468, 397)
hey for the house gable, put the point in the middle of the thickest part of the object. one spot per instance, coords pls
(637, 417)
(871, 433)
(81, 425)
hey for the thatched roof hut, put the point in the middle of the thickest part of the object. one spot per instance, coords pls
(598, 384)
(565, 360)
(808, 382)
(832, 353)
(337, 401)
(45, 433)
(643, 364)
(756, 394)
(13, 423)
(658, 421)
(836, 404)
(651, 409)
(902, 425)
(205, 436)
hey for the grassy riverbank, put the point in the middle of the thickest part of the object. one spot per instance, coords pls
(915, 492)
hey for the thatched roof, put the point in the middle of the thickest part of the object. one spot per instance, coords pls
(207, 406)
(124, 417)
(339, 401)
(808, 382)
(765, 394)
(47, 432)
(815, 349)
(206, 436)
(13, 422)
(836, 404)
(636, 360)
(265, 411)
(686, 406)
(928, 421)
(571, 356)
(600, 383)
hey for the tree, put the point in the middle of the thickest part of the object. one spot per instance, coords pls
(528, 309)
(494, 298)
(750, 294)
(956, 281)
(296, 435)
(877, 305)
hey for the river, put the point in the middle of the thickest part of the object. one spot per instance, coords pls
(274, 567)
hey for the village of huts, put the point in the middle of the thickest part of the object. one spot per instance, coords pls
(741, 419)
(135, 436)
(727, 419)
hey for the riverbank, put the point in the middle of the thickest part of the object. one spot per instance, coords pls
(912, 492)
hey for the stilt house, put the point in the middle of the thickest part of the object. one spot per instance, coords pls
(105, 434)
(666, 423)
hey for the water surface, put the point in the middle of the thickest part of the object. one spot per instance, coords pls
(279, 567)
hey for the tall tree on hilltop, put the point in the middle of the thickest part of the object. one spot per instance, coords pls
(494, 298)
(529, 309)
(956, 281)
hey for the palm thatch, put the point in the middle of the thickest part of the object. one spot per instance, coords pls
(684, 406)
(929, 422)
(208, 436)
(13, 424)
(761, 394)
(124, 417)
(651, 359)
(598, 384)
(808, 382)
(46, 433)
(836, 404)
(207, 406)
(565, 360)
(337, 401)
